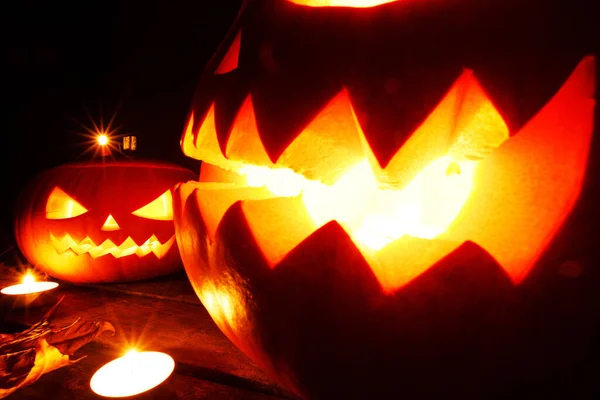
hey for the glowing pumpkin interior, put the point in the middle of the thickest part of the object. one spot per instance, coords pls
(461, 176)
(61, 206)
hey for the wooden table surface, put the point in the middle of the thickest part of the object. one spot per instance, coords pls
(160, 315)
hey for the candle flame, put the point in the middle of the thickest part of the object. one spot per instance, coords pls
(102, 139)
(131, 353)
(28, 279)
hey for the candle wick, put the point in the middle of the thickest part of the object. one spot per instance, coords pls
(28, 281)
(132, 358)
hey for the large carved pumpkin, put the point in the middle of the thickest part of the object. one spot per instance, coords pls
(389, 194)
(101, 221)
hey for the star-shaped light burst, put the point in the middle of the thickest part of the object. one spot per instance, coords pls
(103, 139)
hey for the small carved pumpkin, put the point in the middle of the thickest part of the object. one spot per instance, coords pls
(379, 182)
(102, 221)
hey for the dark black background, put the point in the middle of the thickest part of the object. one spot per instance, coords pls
(63, 60)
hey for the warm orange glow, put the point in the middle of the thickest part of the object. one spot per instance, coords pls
(465, 126)
(243, 142)
(375, 217)
(160, 208)
(102, 139)
(62, 206)
(214, 199)
(383, 210)
(127, 248)
(110, 224)
(458, 178)
(289, 224)
(342, 3)
(336, 132)
(204, 145)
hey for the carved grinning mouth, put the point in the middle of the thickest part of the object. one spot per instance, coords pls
(511, 205)
(127, 248)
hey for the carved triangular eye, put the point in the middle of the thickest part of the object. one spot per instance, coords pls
(160, 208)
(62, 206)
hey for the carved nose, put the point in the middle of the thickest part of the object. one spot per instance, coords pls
(110, 224)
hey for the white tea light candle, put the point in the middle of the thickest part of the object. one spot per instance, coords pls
(29, 286)
(134, 373)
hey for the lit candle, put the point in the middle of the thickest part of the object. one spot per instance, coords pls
(30, 293)
(29, 286)
(103, 141)
(134, 373)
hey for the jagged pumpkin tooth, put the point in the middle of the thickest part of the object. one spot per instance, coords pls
(406, 258)
(204, 145)
(464, 124)
(247, 260)
(390, 106)
(285, 105)
(278, 225)
(524, 191)
(188, 140)
(329, 145)
(479, 128)
(324, 258)
(244, 142)
(466, 281)
(231, 94)
(214, 199)
(519, 83)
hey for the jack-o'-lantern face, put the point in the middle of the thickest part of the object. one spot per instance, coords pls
(102, 222)
(390, 170)
(61, 206)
